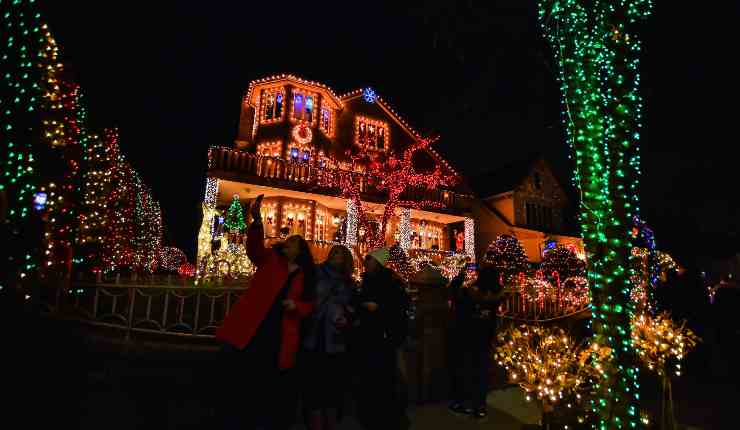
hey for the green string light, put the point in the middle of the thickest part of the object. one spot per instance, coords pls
(597, 49)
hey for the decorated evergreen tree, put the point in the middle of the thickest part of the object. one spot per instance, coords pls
(147, 228)
(507, 254)
(27, 58)
(562, 260)
(64, 133)
(235, 216)
(99, 159)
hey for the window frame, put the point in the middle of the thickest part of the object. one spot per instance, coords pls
(361, 120)
(274, 92)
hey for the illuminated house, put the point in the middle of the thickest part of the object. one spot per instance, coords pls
(292, 131)
(525, 200)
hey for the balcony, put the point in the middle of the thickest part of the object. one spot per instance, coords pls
(241, 166)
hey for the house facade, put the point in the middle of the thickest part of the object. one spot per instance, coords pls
(524, 200)
(293, 132)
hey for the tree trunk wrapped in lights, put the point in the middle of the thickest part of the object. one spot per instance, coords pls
(393, 176)
(597, 48)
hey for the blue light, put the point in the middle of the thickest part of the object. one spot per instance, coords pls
(294, 153)
(306, 154)
(39, 200)
(369, 95)
(550, 244)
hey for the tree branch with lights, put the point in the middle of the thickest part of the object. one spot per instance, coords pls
(390, 175)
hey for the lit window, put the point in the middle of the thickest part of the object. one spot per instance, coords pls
(298, 106)
(270, 149)
(309, 109)
(371, 133)
(272, 105)
(304, 106)
(325, 123)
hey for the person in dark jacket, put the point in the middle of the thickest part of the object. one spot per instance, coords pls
(261, 332)
(472, 333)
(324, 364)
(379, 331)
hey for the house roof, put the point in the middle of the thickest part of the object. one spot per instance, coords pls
(270, 80)
(504, 179)
(405, 125)
(339, 100)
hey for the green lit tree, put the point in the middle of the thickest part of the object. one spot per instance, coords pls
(27, 58)
(597, 47)
(234, 220)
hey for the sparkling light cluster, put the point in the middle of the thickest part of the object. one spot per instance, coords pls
(548, 364)
(661, 342)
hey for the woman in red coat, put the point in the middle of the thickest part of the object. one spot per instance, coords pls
(261, 332)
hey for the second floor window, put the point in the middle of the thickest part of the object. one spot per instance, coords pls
(371, 133)
(272, 105)
(304, 106)
(538, 216)
(325, 122)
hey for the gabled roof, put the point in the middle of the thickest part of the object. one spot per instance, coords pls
(291, 79)
(504, 179)
(405, 125)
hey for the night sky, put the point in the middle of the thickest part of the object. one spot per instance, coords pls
(171, 77)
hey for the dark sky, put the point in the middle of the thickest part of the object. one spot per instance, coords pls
(477, 72)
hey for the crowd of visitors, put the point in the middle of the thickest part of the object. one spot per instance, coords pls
(306, 337)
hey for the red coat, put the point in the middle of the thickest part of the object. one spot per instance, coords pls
(247, 314)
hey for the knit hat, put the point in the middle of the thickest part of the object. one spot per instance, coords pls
(380, 254)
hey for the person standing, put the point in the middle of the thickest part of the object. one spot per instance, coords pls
(323, 359)
(380, 329)
(261, 332)
(472, 333)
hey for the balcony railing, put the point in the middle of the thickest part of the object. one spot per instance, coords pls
(307, 176)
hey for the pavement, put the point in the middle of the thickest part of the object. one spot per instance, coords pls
(507, 409)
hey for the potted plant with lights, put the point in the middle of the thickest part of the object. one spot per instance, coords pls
(549, 365)
(661, 344)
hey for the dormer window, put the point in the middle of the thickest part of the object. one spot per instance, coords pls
(273, 101)
(371, 133)
(304, 106)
